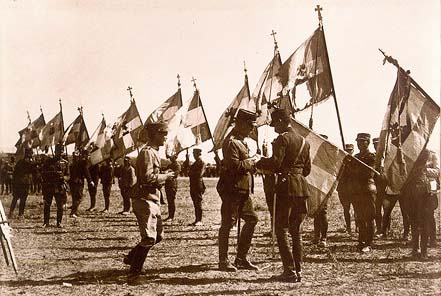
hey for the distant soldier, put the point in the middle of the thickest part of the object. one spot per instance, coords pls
(381, 184)
(94, 171)
(364, 193)
(234, 189)
(78, 172)
(146, 203)
(8, 170)
(107, 179)
(424, 187)
(2, 175)
(197, 187)
(55, 173)
(291, 162)
(22, 179)
(126, 180)
(171, 186)
(344, 188)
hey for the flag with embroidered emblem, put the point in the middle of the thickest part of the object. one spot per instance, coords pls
(76, 133)
(28, 137)
(52, 133)
(100, 143)
(167, 110)
(408, 123)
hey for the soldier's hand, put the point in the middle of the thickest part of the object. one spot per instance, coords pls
(170, 174)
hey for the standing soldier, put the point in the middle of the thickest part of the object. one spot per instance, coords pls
(364, 193)
(234, 189)
(269, 184)
(381, 184)
(344, 188)
(94, 171)
(146, 202)
(8, 171)
(22, 178)
(197, 186)
(55, 173)
(126, 180)
(106, 175)
(78, 172)
(291, 162)
(171, 186)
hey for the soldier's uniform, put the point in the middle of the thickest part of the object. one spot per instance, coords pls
(364, 194)
(126, 180)
(291, 162)
(22, 179)
(8, 170)
(171, 187)
(197, 186)
(380, 184)
(78, 171)
(146, 201)
(344, 189)
(94, 171)
(55, 173)
(234, 189)
(106, 175)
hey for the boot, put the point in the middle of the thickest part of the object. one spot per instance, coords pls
(129, 257)
(138, 260)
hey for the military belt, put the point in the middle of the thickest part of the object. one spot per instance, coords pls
(292, 171)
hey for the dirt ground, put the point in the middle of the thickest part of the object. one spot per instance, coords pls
(85, 257)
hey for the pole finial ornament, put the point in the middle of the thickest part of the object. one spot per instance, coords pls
(130, 93)
(179, 80)
(273, 33)
(319, 13)
(194, 82)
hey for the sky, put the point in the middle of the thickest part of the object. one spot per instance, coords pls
(87, 53)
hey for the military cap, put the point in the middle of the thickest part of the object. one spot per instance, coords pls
(247, 116)
(375, 140)
(279, 115)
(349, 146)
(363, 137)
(197, 150)
(156, 127)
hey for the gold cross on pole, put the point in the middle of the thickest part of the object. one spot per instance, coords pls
(179, 80)
(130, 92)
(244, 67)
(273, 33)
(194, 82)
(319, 9)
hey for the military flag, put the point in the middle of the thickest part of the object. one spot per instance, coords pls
(125, 132)
(76, 133)
(100, 143)
(308, 64)
(408, 123)
(29, 135)
(168, 109)
(327, 160)
(52, 133)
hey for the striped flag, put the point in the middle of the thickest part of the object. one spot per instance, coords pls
(225, 122)
(100, 143)
(167, 110)
(408, 123)
(125, 132)
(76, 133)
(327, 161)
(52, 133)
(29, 135)
(309, 63)
(266, 90)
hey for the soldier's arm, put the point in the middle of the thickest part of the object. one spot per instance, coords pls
(307, 163)
(232, 159)
(274, 162)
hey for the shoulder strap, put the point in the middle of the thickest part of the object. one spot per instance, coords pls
(300, 151)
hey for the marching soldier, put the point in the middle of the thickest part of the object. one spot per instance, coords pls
(22, 179)
(234, 189)
(78, 172)
(55, 173)
(197, 186)
(146, 202)
(364, 193)
(171, 186)
(106, 175)
(291, 162)
(94, 171)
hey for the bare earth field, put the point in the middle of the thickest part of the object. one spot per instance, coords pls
(85, 257)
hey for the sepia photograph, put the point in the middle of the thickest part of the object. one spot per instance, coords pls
(284, 147)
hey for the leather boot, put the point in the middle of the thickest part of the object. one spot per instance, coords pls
(138, 260)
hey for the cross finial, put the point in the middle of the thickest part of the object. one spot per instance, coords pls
(194, 82)
(273, 33)
(319, 13)
(41, 109)
(59, 101)
(130, 92)
(179, 80)
(80, 109)
(245, 67)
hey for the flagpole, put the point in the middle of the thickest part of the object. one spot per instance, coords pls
(318, 9)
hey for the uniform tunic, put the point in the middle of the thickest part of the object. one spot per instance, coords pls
(197, 186)
(21, 180)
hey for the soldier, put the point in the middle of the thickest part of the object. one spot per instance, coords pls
(269, 184)
(380, 183)
(55, 173)
(146, 203)
(2, 175)
(234, 189)
(364, 193)
(22, 178)
(291, 162)
(344, 189)
(94, 171)
(197, 186)
(126, 180)
(8, 170)
(78, 172)
(171, 186)
(106, 175)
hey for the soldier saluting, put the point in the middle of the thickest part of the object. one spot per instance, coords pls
(55, 173)
(291, 162)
